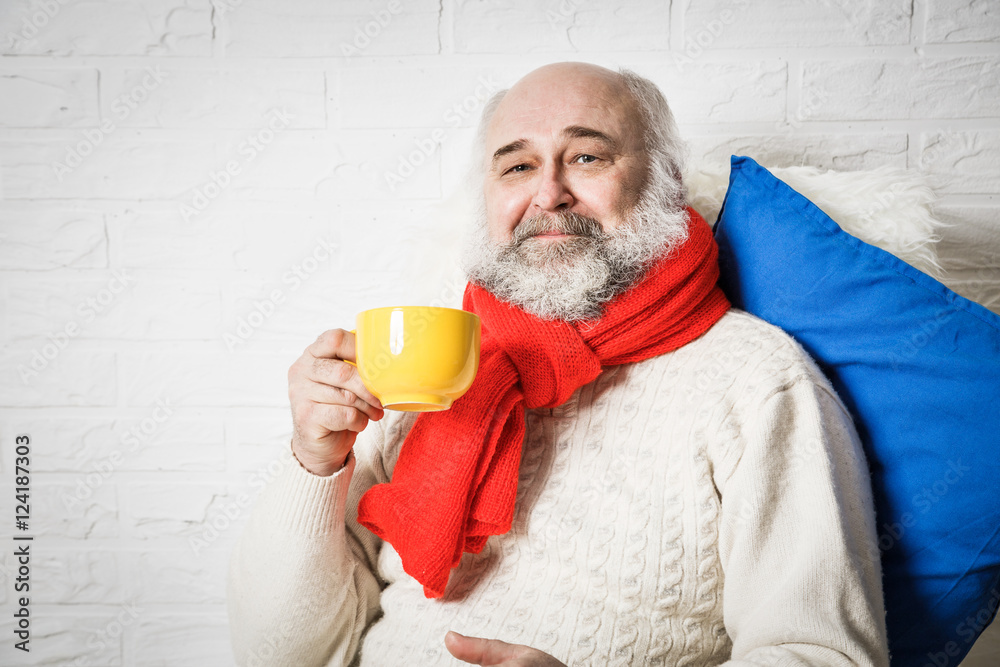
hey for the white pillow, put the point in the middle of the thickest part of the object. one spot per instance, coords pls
(886, 207)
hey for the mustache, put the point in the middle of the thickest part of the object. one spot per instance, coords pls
(567, 223)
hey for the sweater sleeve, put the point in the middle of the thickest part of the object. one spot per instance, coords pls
(302, 584)
(797, 538)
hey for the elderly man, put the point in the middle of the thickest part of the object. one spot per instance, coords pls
(659, 479)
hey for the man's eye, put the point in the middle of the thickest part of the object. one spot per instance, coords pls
(585, 159)
(518, 168)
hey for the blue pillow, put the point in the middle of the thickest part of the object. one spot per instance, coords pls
(918, 367)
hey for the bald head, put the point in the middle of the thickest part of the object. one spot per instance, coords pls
(582, 80)
(569, 70)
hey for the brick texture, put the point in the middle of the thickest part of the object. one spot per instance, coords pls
(562, 26)
(963, 21)
(192, 190)
(49, 98)
(116, 28)
(875, 89)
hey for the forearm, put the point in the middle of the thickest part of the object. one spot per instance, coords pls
(803, 580)
(298, 593)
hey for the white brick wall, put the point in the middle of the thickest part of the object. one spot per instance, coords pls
(227, 160)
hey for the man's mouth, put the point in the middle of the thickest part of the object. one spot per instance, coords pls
(565, 227)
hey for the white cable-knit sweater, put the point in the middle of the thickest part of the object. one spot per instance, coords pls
(707, 506)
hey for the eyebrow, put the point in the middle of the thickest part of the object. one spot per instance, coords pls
(580, 132)
(573, 131)
(512, 147)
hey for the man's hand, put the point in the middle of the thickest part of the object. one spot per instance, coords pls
(330, 405)
(480, 651)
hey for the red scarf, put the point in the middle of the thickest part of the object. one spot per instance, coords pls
(455, 481)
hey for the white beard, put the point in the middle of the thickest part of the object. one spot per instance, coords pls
(572, 278)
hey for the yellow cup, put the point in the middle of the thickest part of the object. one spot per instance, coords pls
(417, 358)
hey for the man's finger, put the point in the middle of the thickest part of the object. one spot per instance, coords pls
(333, 344)
(324, 393)
(339, 417)
(477, 650)
(341, 374)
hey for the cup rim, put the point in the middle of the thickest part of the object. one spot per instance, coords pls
(458, 310)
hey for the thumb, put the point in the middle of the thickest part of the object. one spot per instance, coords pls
(477, 650)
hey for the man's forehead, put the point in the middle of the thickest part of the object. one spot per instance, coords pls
(560, 112)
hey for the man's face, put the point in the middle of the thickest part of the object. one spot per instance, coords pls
(573, 210)
(563, 141)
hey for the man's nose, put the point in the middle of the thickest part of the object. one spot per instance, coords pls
(552, 194)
